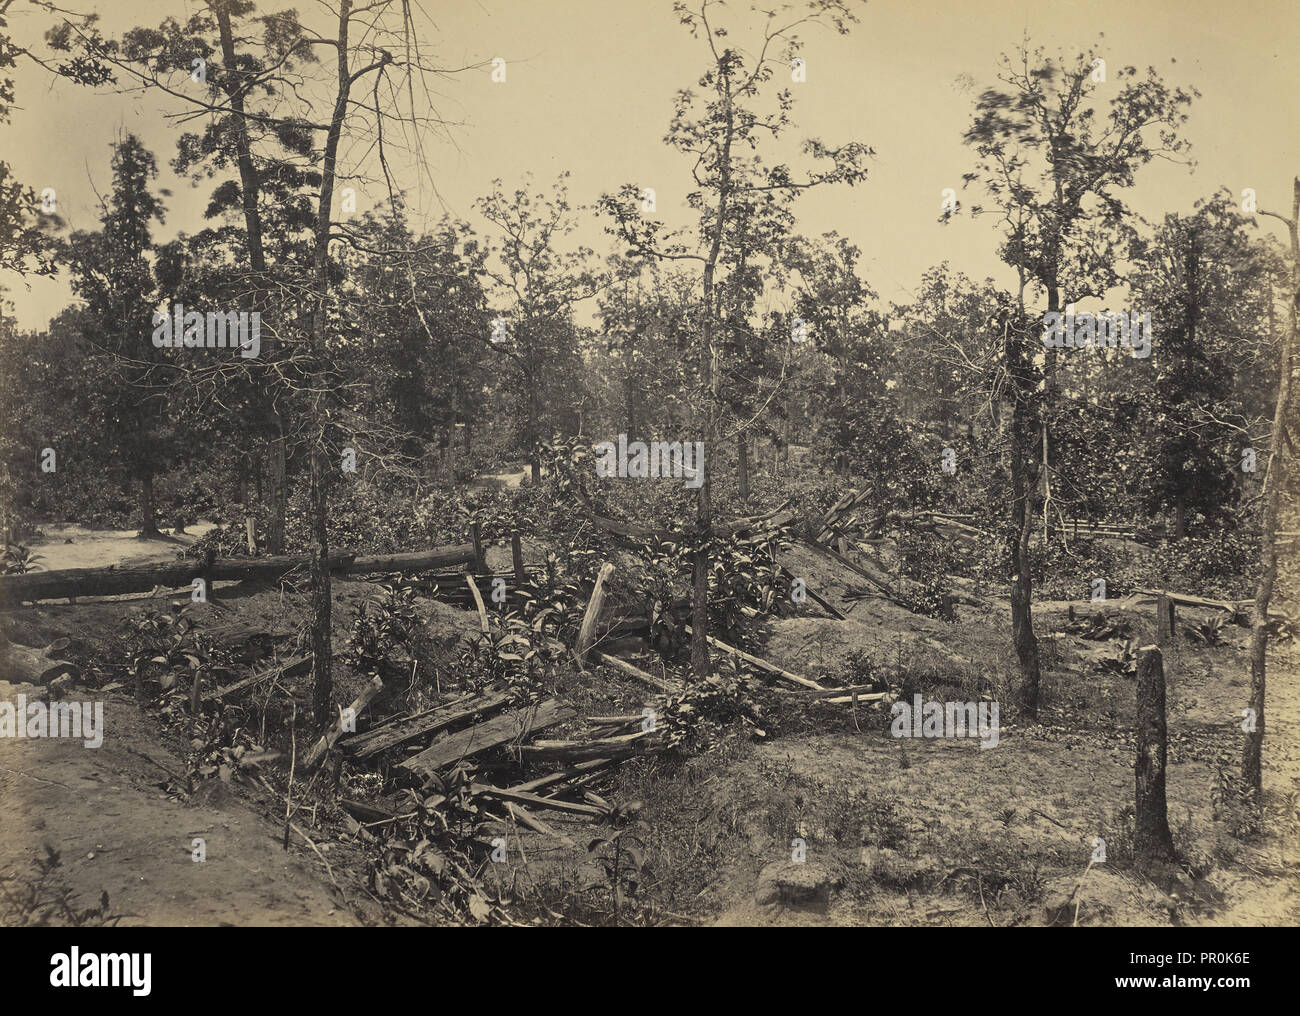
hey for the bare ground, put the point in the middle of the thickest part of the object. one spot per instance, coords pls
(905, 832)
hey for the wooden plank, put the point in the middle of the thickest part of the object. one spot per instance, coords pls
(500, 730)
(349, 715)
(407, 728)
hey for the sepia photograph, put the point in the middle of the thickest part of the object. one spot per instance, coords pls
(649, 464)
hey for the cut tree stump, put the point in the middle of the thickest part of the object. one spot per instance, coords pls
(1152, 841)
(1164, 620)
(25, 665)
(587, 633)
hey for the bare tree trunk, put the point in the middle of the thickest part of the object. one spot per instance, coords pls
(534, 462)
(629, 387)
(1023, 460)
(322, 649)
(1252, 755)
(275, 525)
(147, 508)
(742, 464)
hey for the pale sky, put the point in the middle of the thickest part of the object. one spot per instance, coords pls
(590, 85)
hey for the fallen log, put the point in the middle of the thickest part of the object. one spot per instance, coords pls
(846, 699)
(577, 752)
(25, 665)
(347, 717)
(114, 580)
(364, 811)
(856, 569)
(494, 733)
(1183, 600)
(815, 598)
(404, 729)
(826, 693)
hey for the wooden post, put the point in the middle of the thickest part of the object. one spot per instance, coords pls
(517, 557)
(587, 633)
(480, 559)
(1164, 619)
(1152, 841)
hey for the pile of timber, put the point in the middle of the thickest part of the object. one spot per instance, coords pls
(114, 580)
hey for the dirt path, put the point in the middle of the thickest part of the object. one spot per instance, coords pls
(119, 831)
(78, 547)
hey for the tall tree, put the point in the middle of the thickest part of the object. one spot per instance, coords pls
(1281, 439)
(716, 129)
(1054, 172)
(113, 270)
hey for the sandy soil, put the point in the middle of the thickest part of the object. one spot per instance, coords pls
(119, 831)
(78, 547)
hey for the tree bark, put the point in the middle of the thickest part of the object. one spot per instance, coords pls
(148, 512)
(742, 464)
(1021, 523)
(1152, 841)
